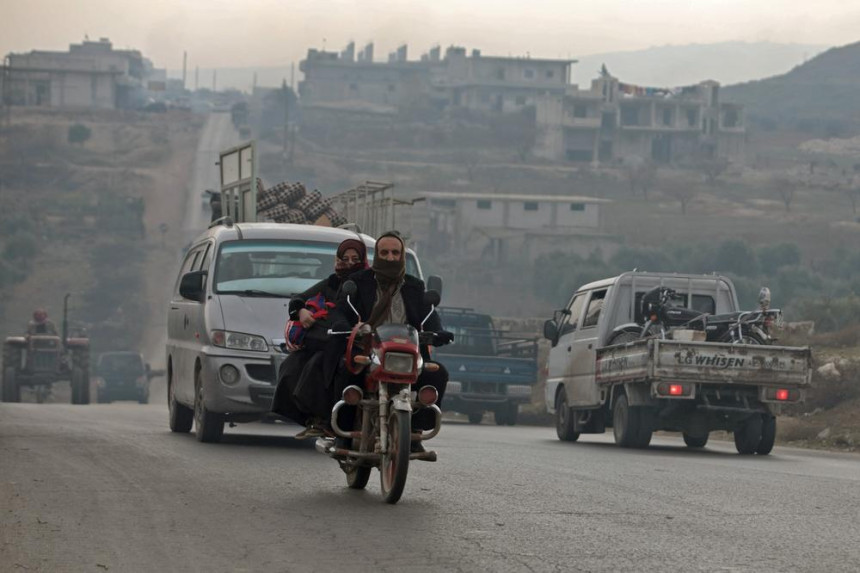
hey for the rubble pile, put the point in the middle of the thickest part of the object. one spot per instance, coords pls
(291, 203)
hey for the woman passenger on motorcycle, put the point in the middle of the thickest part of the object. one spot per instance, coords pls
(303, 393)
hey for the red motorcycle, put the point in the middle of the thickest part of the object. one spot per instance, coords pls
(390, 361)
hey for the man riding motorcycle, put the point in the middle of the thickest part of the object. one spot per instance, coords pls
(387, 295)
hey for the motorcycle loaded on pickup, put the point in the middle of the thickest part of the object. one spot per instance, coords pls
(389, 360)
(664, 315)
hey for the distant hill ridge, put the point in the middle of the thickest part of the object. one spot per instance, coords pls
(821, 96)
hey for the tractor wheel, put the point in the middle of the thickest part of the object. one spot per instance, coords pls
(11, 390)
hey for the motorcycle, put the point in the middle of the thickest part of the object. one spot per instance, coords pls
(390, 362)
(663, 317)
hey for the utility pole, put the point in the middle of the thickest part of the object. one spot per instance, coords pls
(254, 84)
(286, 120)
(184, 68)
(214, 80)
(196, 78)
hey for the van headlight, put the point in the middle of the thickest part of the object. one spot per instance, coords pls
(238, 341)
(399, 362)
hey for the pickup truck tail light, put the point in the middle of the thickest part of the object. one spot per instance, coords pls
(782, 394)
(674, 390)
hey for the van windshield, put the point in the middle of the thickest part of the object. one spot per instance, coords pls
(278, 267)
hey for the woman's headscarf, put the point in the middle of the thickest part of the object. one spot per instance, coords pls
(343, 269)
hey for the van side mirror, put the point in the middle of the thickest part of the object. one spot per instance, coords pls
(434, 282)
(550, 331)
(191, 286)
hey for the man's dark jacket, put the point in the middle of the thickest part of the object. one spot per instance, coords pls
(412, 292)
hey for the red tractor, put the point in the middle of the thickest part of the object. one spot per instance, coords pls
(39, 360)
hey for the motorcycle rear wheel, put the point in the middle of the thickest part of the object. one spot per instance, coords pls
(395, 462)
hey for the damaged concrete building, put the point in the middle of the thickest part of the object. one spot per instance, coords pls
(457, 80)
(90, 75)
(613, 121)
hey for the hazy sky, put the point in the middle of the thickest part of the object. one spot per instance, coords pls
(232, 33)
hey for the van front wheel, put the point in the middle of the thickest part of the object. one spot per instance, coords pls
(208, 426)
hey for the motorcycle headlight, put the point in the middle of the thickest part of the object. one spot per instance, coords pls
(399, 362)
(239, 341)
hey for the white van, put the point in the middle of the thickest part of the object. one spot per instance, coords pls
(227, 315)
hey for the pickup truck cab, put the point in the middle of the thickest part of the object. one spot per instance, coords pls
(682, 385)
(227, 315)
(489, 370)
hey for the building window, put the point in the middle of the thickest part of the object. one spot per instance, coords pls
(353, 87)
(449, 203)
(731, 118)
(484, 204)
(667, 116)
(580, 110)
(521, 100)
(530, 206)
(391, 87)
(500, 74)
(577, 206)
(692, 120)
(550, 74)
(630, 115)
(529, 74)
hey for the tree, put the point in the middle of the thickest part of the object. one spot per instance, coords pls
(641, 174)
(711, 168)
(469, 160)
(786, 188)
(79, 134)
(681, 190)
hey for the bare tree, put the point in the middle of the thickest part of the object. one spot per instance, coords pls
(786, 189)
(641, 175)
(470, 161)
(681, 190)
(711, 168)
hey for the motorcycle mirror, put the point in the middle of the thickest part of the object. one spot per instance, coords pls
(349, 288)
(432, 298)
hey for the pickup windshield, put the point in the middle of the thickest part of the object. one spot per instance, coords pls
(473, 333)
(277, 267)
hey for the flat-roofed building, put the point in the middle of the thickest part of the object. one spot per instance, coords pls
(613, 120)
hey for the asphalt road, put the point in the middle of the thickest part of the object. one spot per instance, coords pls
(108, 487)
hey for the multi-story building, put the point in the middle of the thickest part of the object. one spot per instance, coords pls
(457, 80)
(90, 75)
(498, 226)
(612, 121)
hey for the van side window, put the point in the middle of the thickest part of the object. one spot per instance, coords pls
(187, 265)
(595, 305)
(203, 262)
(575, 309)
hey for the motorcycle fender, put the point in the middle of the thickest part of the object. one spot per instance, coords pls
(402, 401)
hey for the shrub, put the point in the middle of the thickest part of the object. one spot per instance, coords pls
(79, 134)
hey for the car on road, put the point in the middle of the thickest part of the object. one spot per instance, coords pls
(123, 376)
(227, 315)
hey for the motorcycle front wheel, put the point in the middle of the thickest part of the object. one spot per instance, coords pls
(395, 462)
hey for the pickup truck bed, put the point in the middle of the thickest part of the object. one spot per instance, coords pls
(657, 360)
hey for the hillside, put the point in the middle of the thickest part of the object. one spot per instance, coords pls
(725, 62)
(819, 96)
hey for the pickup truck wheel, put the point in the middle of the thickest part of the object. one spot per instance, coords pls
(564, 426)
(695, 441)
(208, 426)
(768, 435)
(748, 436)
(627, 425)
(181, 417)
(475, 417)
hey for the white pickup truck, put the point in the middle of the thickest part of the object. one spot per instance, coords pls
(655, 383)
